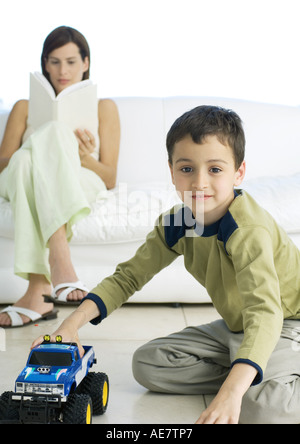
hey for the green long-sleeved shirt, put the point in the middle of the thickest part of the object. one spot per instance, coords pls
(247, 263)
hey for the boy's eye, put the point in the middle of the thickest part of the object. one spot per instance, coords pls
(187, 169)
(215, 170)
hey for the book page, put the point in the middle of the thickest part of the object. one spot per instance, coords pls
(70, 89)
(38, 78)
(41, 105)
(76, 105)
(79, 109)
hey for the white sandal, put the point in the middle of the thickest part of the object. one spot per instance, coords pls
(61, 299)
(17, 321)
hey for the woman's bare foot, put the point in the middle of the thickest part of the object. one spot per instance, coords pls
(61, 267)
(33, 299)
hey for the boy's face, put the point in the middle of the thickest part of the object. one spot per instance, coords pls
(204, 176)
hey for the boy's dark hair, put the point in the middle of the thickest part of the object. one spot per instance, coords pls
(204, 121)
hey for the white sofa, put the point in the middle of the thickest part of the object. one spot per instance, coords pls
(118, 225)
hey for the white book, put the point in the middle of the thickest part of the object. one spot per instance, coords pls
(76, 105)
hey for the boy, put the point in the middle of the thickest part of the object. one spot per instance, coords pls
(249, 267)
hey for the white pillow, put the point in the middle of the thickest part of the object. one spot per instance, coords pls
(280, 196)
(127, 214)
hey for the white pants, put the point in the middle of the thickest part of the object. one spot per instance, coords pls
(47, 188)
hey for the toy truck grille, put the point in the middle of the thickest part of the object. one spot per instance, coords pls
(40, 389)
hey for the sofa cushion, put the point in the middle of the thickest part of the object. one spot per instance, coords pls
(129, 212)
(280, 196)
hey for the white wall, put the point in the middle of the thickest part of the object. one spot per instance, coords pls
(231, 48)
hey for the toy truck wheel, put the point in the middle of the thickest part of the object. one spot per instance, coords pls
(78, 409)
(96, 385)
(8, 412)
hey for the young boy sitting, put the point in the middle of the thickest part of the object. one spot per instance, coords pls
(250, 268)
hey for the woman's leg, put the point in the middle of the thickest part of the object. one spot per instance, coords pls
(62, 270)
(61, 266)
(42, 182)
(37, 286)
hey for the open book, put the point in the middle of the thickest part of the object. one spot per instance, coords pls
(76, 105)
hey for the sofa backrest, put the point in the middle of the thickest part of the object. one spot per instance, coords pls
(272, 133)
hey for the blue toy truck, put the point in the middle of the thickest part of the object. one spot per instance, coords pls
(56, 387)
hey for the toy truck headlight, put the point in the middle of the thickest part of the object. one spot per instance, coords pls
(58, 389)
(20, 387)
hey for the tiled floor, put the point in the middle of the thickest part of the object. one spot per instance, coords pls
(114, 341)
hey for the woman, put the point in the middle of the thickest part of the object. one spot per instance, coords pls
(51, 181)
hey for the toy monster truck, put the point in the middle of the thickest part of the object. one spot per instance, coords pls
(56, 387)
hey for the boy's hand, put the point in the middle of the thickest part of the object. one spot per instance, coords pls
(226, 407)
(223, 410)
(68, 330)
(67, 336)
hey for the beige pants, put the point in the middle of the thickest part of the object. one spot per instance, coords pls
(197, 360)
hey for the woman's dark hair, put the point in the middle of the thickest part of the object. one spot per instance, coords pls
(60, 37)
(204, 121)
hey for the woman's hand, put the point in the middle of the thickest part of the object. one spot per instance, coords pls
(86, 143)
